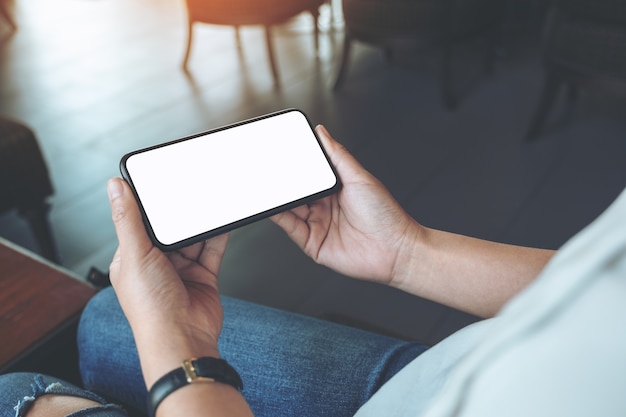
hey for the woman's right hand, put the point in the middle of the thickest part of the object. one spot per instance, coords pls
(361, 231)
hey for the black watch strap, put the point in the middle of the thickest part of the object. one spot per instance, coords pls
(193, 370)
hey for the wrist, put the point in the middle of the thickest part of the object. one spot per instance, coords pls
(411, 256)
(161, 353)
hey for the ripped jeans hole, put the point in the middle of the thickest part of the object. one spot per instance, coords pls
(39, 388)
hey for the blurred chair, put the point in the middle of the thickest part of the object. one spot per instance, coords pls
(443, 23)
(238, 13)
(583, 40)
(24, 182)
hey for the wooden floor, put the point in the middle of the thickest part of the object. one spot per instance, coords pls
(96, 79)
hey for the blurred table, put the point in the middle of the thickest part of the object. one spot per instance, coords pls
(40, 305)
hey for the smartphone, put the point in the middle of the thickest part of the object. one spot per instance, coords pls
(196, 187)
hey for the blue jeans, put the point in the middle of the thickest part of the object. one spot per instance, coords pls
(290, 364)
(18, 392)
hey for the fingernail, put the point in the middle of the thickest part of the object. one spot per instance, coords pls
(114, 188)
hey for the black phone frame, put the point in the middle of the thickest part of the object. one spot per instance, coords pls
(238, 223)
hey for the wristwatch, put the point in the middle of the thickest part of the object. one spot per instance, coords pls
(192, 371)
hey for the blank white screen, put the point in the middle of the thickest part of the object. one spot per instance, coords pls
(197, 185)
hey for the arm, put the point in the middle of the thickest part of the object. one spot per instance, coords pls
(472, 275)
(173, 307)
(364, 233)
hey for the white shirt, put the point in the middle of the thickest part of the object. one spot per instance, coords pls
(557, 349)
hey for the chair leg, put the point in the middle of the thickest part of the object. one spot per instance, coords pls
(551, 87)
(189, 40)
(345, 57)
(271, 55)
(315, 13)
(450, 100)
(238, 38)
(37, 217)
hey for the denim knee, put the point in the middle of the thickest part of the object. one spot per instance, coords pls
(19, 391)
(108, 358)
(291, 364)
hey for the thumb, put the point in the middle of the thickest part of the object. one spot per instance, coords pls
(348, 168)
(129, 227)
(333, 148)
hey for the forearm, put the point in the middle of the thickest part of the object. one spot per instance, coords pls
(472, 275)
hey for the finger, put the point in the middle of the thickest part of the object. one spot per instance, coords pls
(348, 168)
(286, 217)
(295, 227)
(191, 252)
(301, 212)
(208, 253)
(179, 260)
(213, 252)
(336, 151)
(131, 233)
